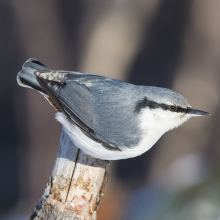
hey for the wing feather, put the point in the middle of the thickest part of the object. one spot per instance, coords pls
(100, 106)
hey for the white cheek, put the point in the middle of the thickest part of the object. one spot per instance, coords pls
(152, 124)
(161, 120)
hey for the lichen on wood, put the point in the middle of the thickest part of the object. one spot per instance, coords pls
(75, 188)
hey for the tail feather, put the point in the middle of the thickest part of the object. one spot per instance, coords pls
(26, 76)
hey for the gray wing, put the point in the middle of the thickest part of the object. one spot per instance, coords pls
(102, 107)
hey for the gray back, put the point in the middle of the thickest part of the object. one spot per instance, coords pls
(106, 106)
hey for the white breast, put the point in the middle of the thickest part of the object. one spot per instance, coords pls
(96, 150)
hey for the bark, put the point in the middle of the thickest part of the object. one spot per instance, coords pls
(75, 188)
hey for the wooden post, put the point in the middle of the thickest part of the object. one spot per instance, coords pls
(75, 187)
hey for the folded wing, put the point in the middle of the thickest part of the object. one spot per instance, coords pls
(100, 106)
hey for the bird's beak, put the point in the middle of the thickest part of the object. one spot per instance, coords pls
(195, 112)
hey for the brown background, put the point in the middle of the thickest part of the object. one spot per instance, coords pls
(166, 43)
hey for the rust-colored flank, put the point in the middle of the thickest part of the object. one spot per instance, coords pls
(52, 103)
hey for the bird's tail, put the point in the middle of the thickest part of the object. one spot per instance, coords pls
(26, 76)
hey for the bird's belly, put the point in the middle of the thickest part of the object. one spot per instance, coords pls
(95, 149)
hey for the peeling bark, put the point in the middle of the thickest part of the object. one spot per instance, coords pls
(75, 188)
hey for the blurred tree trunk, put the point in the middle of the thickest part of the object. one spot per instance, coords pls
(197, 79)
(76, 185)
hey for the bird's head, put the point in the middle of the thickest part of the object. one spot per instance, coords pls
(163, 109)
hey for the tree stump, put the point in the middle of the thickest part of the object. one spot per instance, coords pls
(75, 188)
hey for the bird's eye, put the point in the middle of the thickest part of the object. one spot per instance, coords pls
(172, 108)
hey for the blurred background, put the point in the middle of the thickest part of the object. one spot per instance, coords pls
(166, 43)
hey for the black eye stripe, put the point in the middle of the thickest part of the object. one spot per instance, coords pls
(153, 105)
(183, 110)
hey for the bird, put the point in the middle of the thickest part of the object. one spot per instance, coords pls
(106, 118)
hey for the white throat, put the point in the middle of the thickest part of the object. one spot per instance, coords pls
(155, 122)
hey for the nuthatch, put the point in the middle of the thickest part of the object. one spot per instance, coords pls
(108, 118)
